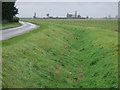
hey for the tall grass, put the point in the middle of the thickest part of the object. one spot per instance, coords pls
(63, 54)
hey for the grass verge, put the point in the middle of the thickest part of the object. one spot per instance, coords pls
(9, 25)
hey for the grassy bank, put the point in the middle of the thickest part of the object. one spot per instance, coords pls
(9, 25)
(63, 53)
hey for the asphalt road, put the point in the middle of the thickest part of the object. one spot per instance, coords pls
(12, 32)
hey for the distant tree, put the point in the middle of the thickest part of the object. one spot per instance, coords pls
(48, 15)
(79, 16)
(8, 11)
(87, 17)
(106, 17)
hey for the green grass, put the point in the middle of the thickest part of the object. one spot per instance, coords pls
(63, 54)
(9, 25)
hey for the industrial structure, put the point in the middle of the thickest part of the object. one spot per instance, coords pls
(68, 16)
(34, 17)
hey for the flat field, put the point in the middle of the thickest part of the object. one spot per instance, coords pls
(63, 54)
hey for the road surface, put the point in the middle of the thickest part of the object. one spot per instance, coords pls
(12, 32)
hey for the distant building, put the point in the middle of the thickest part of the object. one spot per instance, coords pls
(34, 15)
(69, 15)
(109, 16)
(75, 13)
(87, 17)
(77, 16)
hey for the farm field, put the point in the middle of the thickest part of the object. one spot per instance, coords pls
(9, 25)
(63, 54)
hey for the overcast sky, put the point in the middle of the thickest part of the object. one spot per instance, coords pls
(65, 0)
(91, 9)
